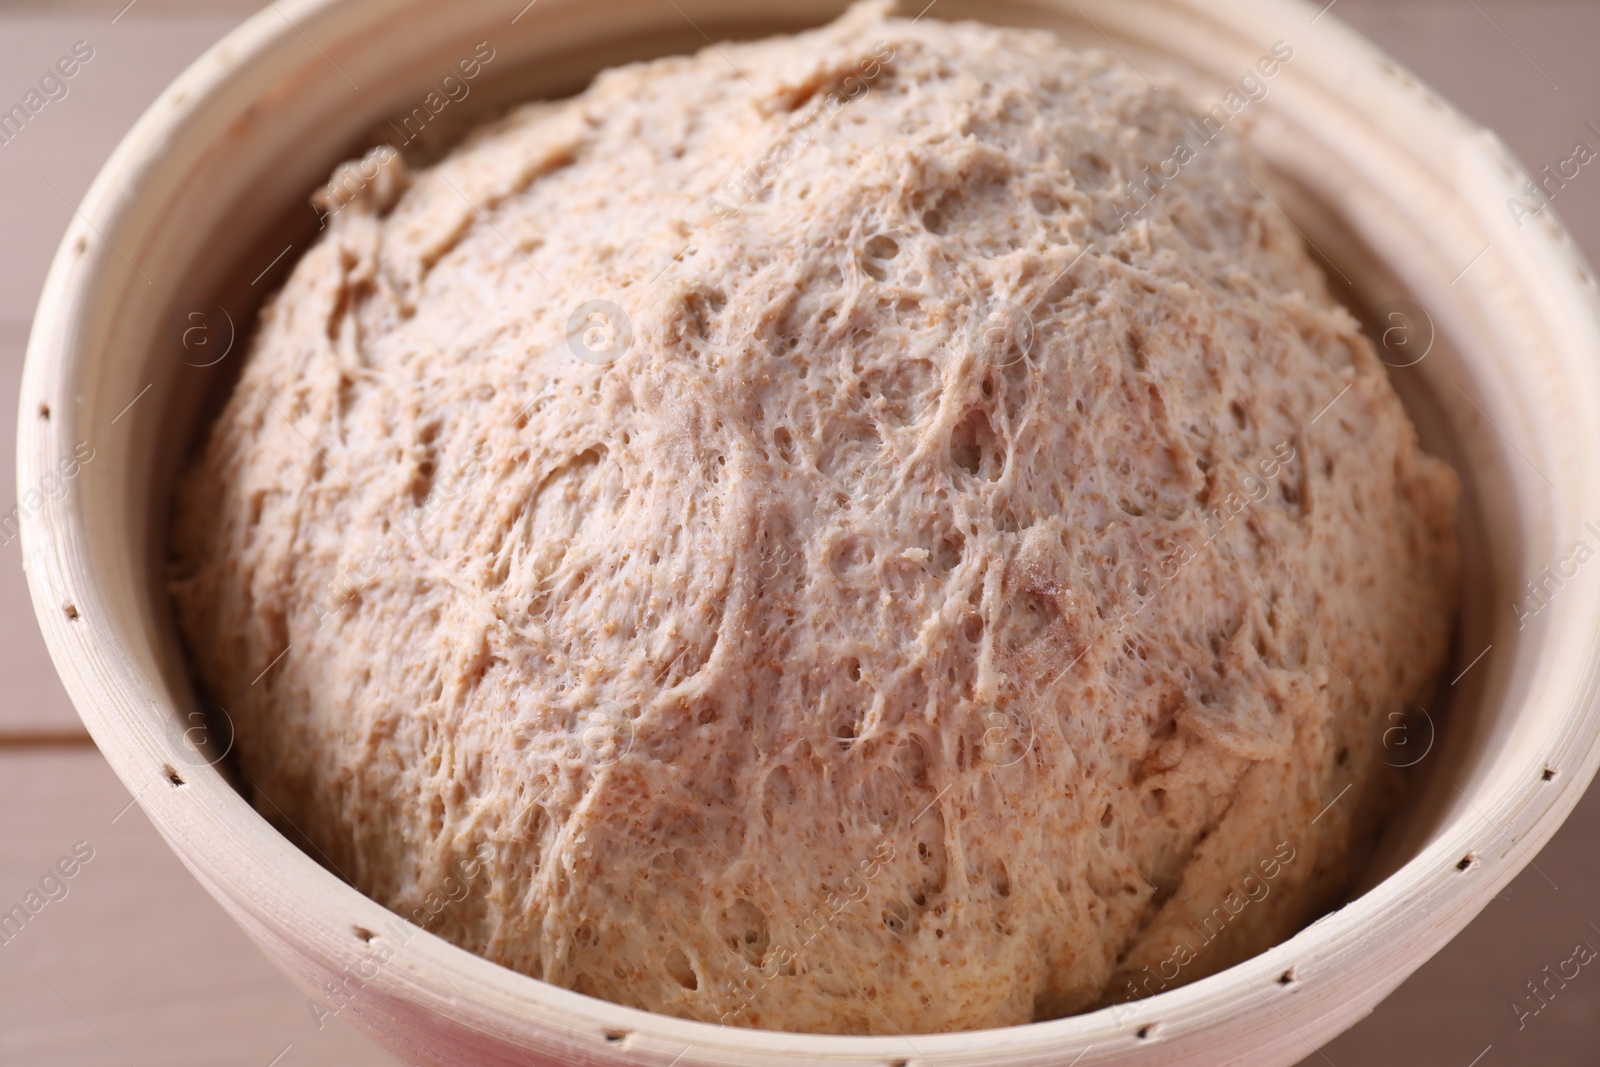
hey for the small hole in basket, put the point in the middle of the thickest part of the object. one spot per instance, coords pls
(44, 412)
(616, 1037)
(1146, 1031)
(1469, 861)
(1288, 977)
(1549, 774)
(363, 933)
(170, 773)
(899, 1063)
(72, 612)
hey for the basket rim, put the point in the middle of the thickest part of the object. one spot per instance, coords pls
(225, 842)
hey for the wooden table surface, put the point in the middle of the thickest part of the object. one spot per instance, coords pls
(132, 963)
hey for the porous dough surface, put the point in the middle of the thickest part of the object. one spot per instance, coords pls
(834, 660)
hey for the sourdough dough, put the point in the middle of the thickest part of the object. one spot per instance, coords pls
(943, 602)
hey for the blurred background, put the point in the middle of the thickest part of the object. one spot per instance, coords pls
(128, 961)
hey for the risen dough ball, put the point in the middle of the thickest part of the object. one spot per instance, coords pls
(951, 602)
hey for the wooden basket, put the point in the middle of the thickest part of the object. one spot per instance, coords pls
(202, 208)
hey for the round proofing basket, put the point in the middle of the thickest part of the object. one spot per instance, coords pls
(204, 207)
